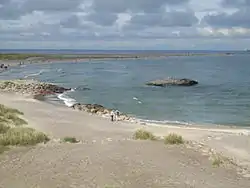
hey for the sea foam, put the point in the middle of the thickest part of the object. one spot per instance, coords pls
(66, 99)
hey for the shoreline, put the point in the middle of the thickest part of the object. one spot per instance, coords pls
(152, 122)
(16, 59)
(228, 142)
(101, 111)
(242, 130)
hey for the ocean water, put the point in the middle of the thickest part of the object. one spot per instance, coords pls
(221, 97)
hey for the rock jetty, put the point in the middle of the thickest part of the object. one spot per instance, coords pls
(99, 110)
(31, 87)
(172, 82)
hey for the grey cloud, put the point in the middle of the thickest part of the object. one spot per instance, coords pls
(235, 3)
(2, 2)
(10, 10)
(71, 22)
(117, 6)
(241, 18)
(104, 19)
(168, 19)
(15, 9)
(51, 5)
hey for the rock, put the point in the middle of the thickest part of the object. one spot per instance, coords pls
(31, 87)
(174, 82)
(99, 110)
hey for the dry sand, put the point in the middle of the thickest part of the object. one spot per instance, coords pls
(107, 156)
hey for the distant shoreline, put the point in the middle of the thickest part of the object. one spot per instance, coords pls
(15, 59)
(44, 57)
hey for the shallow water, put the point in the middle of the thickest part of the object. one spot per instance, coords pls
(222, 96)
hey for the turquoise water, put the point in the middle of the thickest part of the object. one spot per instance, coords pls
(222, 96)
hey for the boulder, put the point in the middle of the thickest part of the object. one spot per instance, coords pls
(99, 110)
(31, 87)
(173, 82)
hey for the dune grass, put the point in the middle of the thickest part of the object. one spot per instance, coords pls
(4, 109)
(217, 161)
(4, 128)
(142, 134)
(70, 139)
(11, 116)
(173, 139)
(22, 136)
(12, 133)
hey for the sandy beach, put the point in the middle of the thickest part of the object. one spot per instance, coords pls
(108, 156)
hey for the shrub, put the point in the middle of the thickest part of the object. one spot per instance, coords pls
(10, 116)
(22, 136)
(173, 139)
(15, 120)
(4, 110)
(70, 140)
(3, 128)
(143, 135)
(217, 161)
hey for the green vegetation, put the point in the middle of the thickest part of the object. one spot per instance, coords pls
(13, 134)
(4, 109)
(10, 116)
(4, 128)
(173, 139)
(144, 135)
(70, 140)
(22, 136)
(16, 56)
(217, 161)
(32, 57)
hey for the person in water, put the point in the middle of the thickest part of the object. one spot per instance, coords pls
(112, 115)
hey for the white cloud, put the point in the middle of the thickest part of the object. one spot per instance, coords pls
(228, 32)
(124, 23)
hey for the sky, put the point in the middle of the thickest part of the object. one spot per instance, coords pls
(125, 24)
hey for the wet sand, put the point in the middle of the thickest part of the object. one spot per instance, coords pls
(108, 156)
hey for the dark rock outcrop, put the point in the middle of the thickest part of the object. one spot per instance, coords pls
(31, 87)
(172, 82)
(99, 110)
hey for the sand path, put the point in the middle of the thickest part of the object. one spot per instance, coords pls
(108, 156)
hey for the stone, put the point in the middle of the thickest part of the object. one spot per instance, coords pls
(173, 82)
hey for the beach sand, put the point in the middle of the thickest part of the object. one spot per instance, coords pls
(107, 156)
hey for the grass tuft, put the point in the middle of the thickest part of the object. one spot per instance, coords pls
(10, 116)
(15, 120)
(3, 128)
(217, 161)
(22, 136)
(70, 140)
(173, 139)
(144, 135)
(4, 109)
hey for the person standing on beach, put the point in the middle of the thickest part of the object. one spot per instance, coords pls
(117, 114)
(112, 115)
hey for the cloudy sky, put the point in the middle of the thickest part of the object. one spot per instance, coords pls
(125, 24)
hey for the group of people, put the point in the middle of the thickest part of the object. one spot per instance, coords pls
(114, 115)
(3, 66)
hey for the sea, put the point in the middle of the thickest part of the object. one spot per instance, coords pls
(222, 96)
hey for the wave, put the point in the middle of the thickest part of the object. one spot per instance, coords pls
(165, 122)
(138, 101)
(34, 74)
(66, 99)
